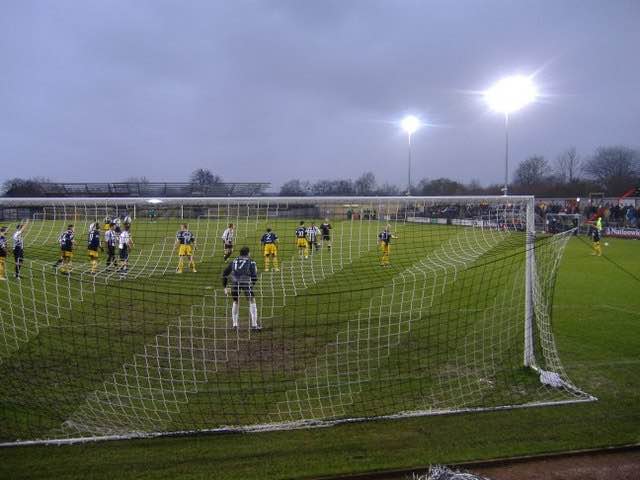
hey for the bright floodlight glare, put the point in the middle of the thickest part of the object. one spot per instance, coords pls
(511, 94)
(410, 124)
(154, 201)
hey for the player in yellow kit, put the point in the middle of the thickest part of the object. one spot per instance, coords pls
(384, 240)
(185, 240)
(67, 243)
(269, 243)
(301, 240)
(595, 236)
(93, 245)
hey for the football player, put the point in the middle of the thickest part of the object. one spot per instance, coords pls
(244, 274)
(228, 237)
(595, 236)
(67, 242)
(325, 228)
(301, 240)
(125, 244)
(18, 246)
(186, 242)
(3, 253)
(269, 243)
(93, 244)
(384, 240)
(312, 236)
(111, 240)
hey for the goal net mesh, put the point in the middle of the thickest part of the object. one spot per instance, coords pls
(437, 325)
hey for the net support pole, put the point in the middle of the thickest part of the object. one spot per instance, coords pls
(530, 243)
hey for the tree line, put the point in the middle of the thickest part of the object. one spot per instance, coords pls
(612, 170)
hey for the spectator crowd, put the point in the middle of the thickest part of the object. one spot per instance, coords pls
(612, 213)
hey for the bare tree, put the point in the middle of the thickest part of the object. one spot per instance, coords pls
(365, 184)
(295, 188)
(568, 166)
(440, 186)
(615, 168)
(532, 171)
(333, 187)
(343, 187)
(474, 187)
(204, 176)
(322, 187)
(388, 189)
(23, 187)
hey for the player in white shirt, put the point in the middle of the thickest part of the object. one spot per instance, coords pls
(125, 244)
(228, 238)
(117, 224)
(18, 246)
(313, 233)
(111, 241)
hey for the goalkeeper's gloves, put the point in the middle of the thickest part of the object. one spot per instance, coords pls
(227, 291)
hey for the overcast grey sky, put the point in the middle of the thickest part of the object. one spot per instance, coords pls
(273, 90)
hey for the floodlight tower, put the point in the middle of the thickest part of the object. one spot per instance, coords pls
(507, 96)
(409, 124)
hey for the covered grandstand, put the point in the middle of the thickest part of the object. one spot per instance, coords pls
(136, 189)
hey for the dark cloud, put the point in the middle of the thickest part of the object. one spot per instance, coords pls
(271, 90)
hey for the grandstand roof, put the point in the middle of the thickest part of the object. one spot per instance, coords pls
(143, 189)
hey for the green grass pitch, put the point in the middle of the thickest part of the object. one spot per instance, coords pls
(109, 325)
(597, 327)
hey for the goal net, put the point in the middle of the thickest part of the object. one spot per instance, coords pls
(561, 222)
(384, 307)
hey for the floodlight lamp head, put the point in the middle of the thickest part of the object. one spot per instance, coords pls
(511, 94)
(410, 124)
(154, 201)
